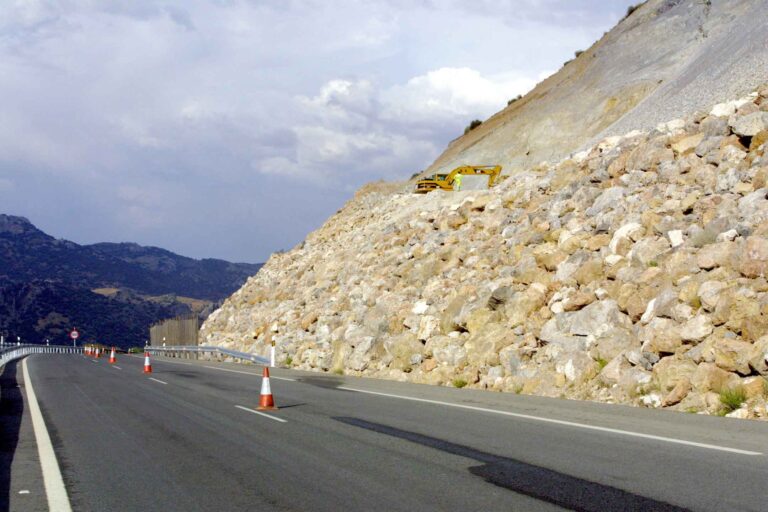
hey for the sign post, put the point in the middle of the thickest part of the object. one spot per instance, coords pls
(74, 335)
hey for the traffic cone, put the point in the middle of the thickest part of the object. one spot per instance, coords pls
(266, 401)
(98, 352)
(112, 358)
(147, 364)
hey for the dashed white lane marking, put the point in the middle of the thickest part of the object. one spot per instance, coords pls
(561, 422)
(24, 491)
(247, 373)
(281, 420)
(158, 380)
(116, 367)
(54, 483)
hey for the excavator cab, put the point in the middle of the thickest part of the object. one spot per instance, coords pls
(446, 181)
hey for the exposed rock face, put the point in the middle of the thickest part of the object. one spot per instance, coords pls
(632, 273)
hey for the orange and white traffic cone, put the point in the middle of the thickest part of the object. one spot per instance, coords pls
(266, 401)
(112, 358)
(98, 352)
(147, 364)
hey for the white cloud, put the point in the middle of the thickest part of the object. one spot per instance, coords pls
(453, 92)
(190, 109)
(358, 127)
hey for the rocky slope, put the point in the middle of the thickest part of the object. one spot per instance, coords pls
(633, 272)
(666, 60)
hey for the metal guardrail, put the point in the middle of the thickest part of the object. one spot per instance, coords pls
(178, 350)
(10, 352)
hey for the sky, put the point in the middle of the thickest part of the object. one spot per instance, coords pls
(232, 128)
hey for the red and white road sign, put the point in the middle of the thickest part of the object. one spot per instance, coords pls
(74, 334)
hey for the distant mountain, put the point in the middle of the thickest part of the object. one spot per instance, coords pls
(41, 310)
(112, 292)
(27, 254)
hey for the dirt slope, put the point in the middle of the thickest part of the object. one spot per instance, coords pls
(668, 59)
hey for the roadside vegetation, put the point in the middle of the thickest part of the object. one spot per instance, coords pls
(732, 398)
(472, 125)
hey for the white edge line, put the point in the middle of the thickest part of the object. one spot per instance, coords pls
(562, 422)
(247, 373)
(54, 483)
(116, 367)
(281, 420)
(158, 380)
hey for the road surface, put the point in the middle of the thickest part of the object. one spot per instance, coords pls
(185, 438)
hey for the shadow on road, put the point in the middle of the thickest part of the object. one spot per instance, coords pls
(288, 406)
(535, 481)
(323, 382)
(11, 410)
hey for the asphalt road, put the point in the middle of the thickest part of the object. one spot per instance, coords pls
(180, 442)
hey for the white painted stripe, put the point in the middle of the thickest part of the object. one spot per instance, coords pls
(157, 380)
(562, 422)
(281, 420)
(247, 373)
(266, 389)
(52, 479)
(116, 367)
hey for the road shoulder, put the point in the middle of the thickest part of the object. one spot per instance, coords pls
(21, 477)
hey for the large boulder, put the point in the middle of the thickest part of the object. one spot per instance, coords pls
(733, 355)
(751, 124)
(696, 329)
(709, 377)
(602, 322)
(669, 371)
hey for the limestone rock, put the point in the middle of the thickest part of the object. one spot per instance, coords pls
(678, 393)
(709, 293)
(732, 355)
(754, 387)
(751, 124)
(696, 329)
(709, 377)
(669, 371)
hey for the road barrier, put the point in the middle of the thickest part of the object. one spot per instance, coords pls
(9, 353)
(206, 352)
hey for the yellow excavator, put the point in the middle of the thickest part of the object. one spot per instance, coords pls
(447, 181)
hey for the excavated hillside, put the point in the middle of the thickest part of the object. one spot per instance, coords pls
(666, 60)
(633, 271)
